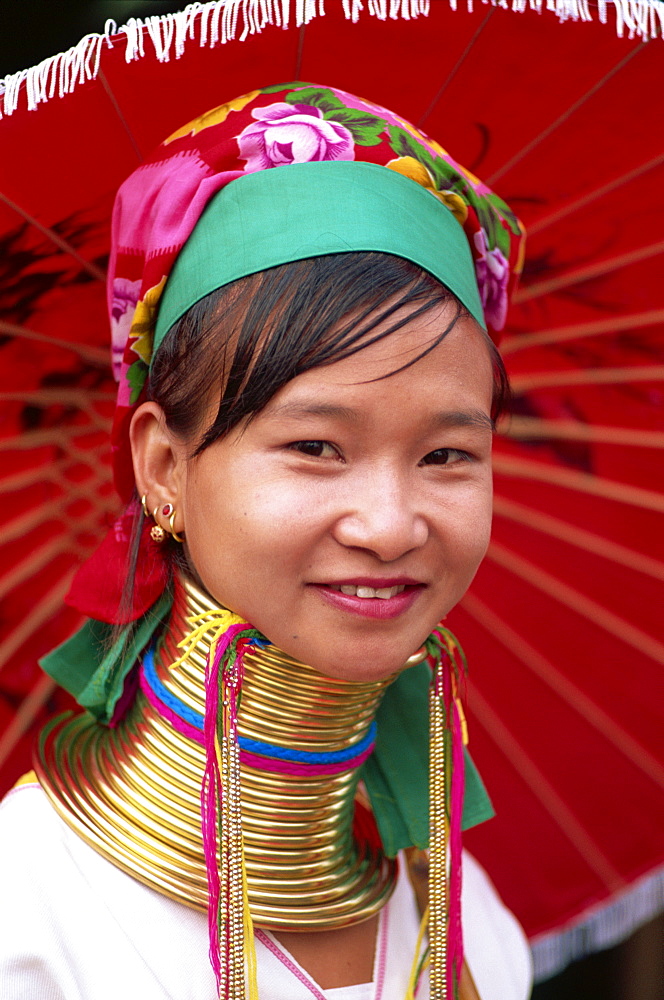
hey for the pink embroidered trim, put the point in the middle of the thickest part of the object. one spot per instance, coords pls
(380, 964)
(381, 952)
(292, 767)
(285, 960)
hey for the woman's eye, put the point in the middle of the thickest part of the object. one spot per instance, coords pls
(445, 456)
(315, 449)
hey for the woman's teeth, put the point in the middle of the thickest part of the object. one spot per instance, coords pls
(383, 592)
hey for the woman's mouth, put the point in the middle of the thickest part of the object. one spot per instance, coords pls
(383, 593)
(371, 600)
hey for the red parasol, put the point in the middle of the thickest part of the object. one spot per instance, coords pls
(563, 624)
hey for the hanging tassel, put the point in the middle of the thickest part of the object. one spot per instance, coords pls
(445, 806)
(232, 950)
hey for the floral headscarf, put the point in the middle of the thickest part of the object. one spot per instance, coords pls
(159, 205)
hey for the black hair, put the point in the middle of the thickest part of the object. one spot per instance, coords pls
(253, 336)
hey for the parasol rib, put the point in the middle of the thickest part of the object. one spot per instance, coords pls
(597, 270)
(566, 115)
(579, 537)
(590, 196)
(612, 324)
(49, 605)
(300, 53)
(50, 511)
(584, 482)
(564, 688)
(453, 72)
(527, 428)
(37, 561)
(80, 398)
(26, 716)
(29, 477)
(59, 437)
(542, 789)
(577, 602)
(588, 376)
(87, 265)
(96, 355)
(116, 107)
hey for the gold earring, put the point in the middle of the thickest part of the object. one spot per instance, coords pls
(157, 533)
(144, 504)
(171, 522)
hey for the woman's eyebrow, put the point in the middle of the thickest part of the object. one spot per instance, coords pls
(446, 418)
(464, 418)
(303, 410)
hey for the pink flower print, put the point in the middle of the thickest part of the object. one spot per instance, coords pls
(293, 133)
(492, 270)
(125, 297)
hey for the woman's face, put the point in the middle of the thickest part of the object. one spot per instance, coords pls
(350, 515)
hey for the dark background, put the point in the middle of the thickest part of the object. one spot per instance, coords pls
(31, 30)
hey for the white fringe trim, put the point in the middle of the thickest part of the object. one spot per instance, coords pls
(601, 928)
(221, 21)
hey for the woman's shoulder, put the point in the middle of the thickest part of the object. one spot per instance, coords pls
(74, 926)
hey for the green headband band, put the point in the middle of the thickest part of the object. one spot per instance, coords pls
(306, 210)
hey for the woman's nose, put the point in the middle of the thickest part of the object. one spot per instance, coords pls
(382, 516)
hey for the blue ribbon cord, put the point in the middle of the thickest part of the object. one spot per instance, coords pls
(196, 720)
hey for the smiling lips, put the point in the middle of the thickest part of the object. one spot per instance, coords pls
(384, 593)
(375, 599)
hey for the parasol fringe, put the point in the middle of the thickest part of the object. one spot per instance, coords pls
(221, 21)
(602, 927)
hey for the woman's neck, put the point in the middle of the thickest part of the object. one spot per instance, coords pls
(133, 792)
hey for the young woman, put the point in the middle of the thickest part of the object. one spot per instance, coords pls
(303, 438)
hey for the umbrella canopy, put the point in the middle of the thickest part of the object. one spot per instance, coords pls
(562, 626)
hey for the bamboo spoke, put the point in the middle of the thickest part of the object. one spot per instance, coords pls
(30, 477)
(81, 398)
(597, 269)
(453, 72)
(48, 605)
(62, 438)
(555, 805)
(118, 111)
(588, 376)
(582, 605)
(543, 668)
(579, 537)
(609, 324)
(581, 482)
(38, 560)
(95, 355)
(520, 428)
(586, 199)
(565, 116)
(25, 716)
(51, 235)
(55, 510)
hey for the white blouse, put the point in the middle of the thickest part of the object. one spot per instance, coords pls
(75, 927)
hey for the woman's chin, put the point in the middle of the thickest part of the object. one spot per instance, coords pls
(366, 667)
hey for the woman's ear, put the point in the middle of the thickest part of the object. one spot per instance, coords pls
(159, 457)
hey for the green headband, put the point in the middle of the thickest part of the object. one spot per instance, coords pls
(285, 214)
